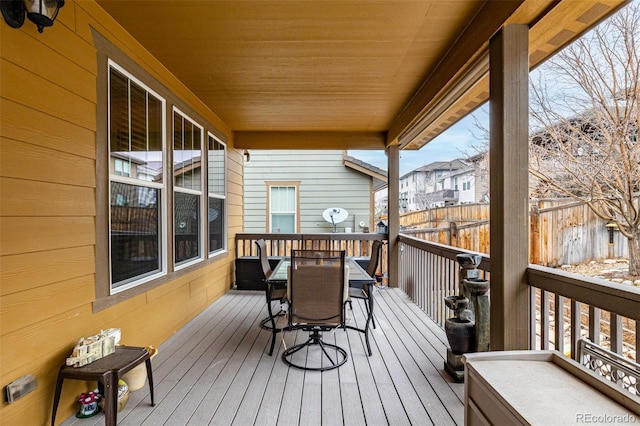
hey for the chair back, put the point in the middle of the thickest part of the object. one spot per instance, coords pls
(376, 248)
(264, 261)
(316, 288)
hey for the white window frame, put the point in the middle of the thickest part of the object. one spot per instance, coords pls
(222, 197)
(295, 212)
(200, 193)
(162, 252)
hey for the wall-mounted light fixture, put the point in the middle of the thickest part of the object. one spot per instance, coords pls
(611, 227)
(247, 156)
(40, 12)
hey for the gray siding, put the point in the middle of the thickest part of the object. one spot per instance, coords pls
(324, 182)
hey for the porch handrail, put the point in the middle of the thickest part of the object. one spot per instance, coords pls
(597, 292)
(443, 250)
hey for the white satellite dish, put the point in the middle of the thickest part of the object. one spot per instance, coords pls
(335, 215)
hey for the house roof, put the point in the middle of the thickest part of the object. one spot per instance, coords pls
(364, 167)
(126, 157)
(437, 165)
(458, 172)
(347, 74)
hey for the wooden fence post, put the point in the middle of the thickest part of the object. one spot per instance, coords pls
(534, 223)
(453, 234)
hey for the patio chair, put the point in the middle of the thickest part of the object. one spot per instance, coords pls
(273, 293)
(316, 304)
(363, 293)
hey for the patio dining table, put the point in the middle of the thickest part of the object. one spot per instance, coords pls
(358, 278)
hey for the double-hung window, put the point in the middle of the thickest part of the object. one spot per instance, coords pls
(283, 208)
(187, 189)
(216, 186)
(136, 183)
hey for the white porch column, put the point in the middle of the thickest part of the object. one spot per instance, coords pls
(509, 163)
(393, 179)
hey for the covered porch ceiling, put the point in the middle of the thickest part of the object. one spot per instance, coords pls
(343, 74)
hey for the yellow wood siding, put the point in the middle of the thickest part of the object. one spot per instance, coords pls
(48, 125)
(30, 270)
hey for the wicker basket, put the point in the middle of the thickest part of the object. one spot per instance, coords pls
(137, 377)
(123, 396)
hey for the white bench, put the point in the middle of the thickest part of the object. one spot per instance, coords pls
(541, 388)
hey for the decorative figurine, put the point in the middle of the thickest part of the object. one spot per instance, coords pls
(88, 404)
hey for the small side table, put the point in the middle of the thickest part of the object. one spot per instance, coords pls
(107, 372)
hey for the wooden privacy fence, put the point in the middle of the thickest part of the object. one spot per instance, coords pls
(560, 231)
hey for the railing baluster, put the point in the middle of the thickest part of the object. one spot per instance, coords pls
(442, 288)
(416, 288)
(545, 322)
(436, 292)
(420, 276)
(559, 323)
(533, 315)
(637, 342)
(430, 290)
(615, 333)
(576, 326)
(594, 325)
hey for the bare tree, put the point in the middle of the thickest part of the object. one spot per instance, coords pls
(423, 188)
(585, 110)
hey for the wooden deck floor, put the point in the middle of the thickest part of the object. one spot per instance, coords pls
(216, 370)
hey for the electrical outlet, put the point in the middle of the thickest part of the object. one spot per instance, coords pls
(20, 387)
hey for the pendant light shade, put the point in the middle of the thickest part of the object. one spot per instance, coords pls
(43, 12)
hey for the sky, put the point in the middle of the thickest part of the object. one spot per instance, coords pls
(456, 142)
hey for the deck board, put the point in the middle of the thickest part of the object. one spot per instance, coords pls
(216, 370)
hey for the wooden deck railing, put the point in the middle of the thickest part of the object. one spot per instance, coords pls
(607, 313)
(429, 272)
(354, 244)
(564, 306)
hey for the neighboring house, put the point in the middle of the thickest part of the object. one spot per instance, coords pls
(287, 191)
(381, 202)
(456, 187)
(586, 139)
(415, 185)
